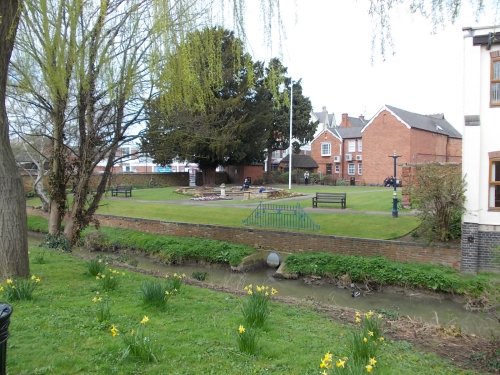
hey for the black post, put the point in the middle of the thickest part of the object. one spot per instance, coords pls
(5, 312)
(394, 184)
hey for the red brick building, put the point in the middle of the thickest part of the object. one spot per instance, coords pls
(415, 138)
(359, 150)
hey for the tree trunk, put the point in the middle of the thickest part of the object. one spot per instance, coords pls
(14, 259)
(269, 160)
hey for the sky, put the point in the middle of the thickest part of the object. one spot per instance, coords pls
(328, 46)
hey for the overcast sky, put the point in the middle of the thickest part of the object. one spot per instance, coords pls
(329, 46)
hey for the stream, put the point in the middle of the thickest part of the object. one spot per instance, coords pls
(431, 308)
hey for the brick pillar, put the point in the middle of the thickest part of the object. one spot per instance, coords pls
(470, 247)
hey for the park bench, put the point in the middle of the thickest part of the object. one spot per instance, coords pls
(121, 189)
(329, 198)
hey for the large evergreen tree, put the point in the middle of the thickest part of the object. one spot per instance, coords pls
(225, 125)
(278, 129)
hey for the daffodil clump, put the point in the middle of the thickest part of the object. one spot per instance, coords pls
(255, 307)
(96, 267)
(247, 339)
(109, 279)
(157, 294)
(137, 344)
(175, 281)
(20, 289)
(102, 307)
(363, 348)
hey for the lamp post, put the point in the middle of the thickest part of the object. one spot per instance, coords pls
(290, 147)
(394, 194)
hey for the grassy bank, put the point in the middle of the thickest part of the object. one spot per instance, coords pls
(58, 331)
(380, 271)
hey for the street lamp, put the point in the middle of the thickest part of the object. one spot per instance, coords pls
(290, 147)
(394, 194)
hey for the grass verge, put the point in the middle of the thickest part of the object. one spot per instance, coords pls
(58, 333)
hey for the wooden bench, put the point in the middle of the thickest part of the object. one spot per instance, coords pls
(329, 198)
(121, 189)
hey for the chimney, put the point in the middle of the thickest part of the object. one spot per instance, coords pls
(345, 121)
(325, 116)
(362, 117)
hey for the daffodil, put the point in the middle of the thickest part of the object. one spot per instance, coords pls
(241, 329)
(365, 340)
(114, 330)
(1, 289)
(9, 281)
(372, 361)
(144, 320)
(370, 333)
(357, 319)
(369, 368)
(381, 339)
(273, 291)
(369, 314)
(340, 363)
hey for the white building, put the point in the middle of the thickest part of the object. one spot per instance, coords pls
(481, 149)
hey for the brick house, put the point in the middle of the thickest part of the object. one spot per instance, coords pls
(481, 149)
(414, 137)
(338, 149)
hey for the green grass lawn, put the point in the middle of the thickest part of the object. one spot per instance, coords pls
(58, 333)
(166, 204)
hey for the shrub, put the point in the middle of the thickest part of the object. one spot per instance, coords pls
(56, 241)
(439, 195)
(95, 241)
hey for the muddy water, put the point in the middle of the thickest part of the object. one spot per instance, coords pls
(429, 308)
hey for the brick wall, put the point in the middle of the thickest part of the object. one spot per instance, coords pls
(147, 179)
(479, 245)
(285, 242)
(385, 135)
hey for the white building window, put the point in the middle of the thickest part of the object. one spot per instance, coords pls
(337, 168)
(360, 169)
(494, 201)
(326, 149)
(495, 79)
(351, 146)
(351, 169)
(360, 145)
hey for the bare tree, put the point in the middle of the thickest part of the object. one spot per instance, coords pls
(13, 228)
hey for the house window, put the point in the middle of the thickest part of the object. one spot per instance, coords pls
(326, 149)
(495, 79)
(360, 145)
(337, 168)
(360, 168)
(328, 169)
(351, 146)
(494, 202)
(350, 169)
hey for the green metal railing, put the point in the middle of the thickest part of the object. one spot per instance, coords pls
(281, 216)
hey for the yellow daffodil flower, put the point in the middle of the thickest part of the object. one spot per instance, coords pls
(144, 320)
(340, 363)
(369, 314)
(357, 319)
(9, 281)
(273, 291)
(114, 330)
(372, 361)
(369, 368)
(370, 333)
(1, 289)
(365, 340)
(381, 339)
(241, 329)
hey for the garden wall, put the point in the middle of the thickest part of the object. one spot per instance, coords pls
(285, 242)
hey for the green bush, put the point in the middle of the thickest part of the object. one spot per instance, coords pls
(385, 272)
(56, 241)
